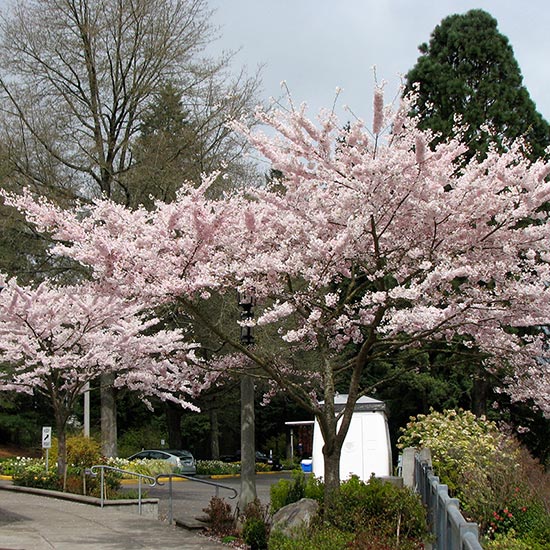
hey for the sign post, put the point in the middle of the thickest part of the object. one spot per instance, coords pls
(47, 443)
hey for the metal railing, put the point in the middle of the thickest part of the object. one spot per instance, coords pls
(451, 530)
(170, 477)
(152, 482)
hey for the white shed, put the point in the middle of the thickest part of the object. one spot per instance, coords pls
(366, 449)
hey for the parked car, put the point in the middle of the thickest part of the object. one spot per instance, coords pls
(260, 457)
(184, 461)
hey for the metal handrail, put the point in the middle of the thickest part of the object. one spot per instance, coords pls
(190, 478)
(152, 481)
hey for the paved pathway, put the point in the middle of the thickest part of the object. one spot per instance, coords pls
(31, 522)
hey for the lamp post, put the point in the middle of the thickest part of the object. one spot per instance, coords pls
(248, 443)
(87, 409)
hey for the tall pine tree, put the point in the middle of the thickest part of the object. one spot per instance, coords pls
(468, 68)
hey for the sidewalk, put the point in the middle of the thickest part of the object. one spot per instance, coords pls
(31, 522)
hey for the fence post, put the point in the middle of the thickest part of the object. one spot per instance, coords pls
(408, 467)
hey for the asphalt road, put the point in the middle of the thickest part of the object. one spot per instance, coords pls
(189, 498)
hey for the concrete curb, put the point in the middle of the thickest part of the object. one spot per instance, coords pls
(200, 476)
(149, 505)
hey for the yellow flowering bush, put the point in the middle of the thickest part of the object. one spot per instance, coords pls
(460, 443)
(489, 473)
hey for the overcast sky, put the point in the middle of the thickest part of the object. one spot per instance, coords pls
(318, 45)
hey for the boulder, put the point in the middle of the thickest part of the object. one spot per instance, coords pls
(295, 515)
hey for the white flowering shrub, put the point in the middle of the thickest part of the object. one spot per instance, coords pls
(150, 467)
(460, 443)
(15, 465)
(497, 483)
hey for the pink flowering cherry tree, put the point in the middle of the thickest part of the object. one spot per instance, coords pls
(55, 340)
(370, 244)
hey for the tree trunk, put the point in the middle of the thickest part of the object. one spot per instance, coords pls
(60, 423)
(214, 434)
(108, 416)
(174, 414)
(248, 443)
(331, 457)
(480, 391)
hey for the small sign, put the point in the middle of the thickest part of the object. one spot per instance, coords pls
(46, 437)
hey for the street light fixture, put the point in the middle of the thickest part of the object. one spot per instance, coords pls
(247, 301)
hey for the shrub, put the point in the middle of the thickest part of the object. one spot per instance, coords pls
(150, 467)
(287, 491)
(495, 480)
(255, 533)
(507, 541)
(459, 443)
(83, 452)
(32, 473)
(374, 515)
(321, 538)
(315, 489)
(377, 507)
(263, 467)
(217, 467)
(220, 517)
(255, 519)
(11, 466)
(291, 464)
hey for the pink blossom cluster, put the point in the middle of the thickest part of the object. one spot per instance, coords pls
(370, 241)
(57, 339)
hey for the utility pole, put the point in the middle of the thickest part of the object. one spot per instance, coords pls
(248, 436)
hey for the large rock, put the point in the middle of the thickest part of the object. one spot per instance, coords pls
(295, 515)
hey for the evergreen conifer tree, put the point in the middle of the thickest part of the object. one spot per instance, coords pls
(468, 68)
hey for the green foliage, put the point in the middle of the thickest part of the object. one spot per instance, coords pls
(83, 452)
(221, 520)
(279, 494)
(322, 538)
(32, 473)
(10, 466)
(166, 151)
(136, 439)
(277, 443)
(315, 489)
(377, 507)
(217, 467)
(495, 480)
(21, 428)
(287, 491)
(459, 442)
(255, 534)
(468, 68)
(508, 541)
(150, 467)
(359, 513)
(256, 525)
(290, 464)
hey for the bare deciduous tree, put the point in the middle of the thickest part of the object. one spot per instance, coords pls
(76, 76)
